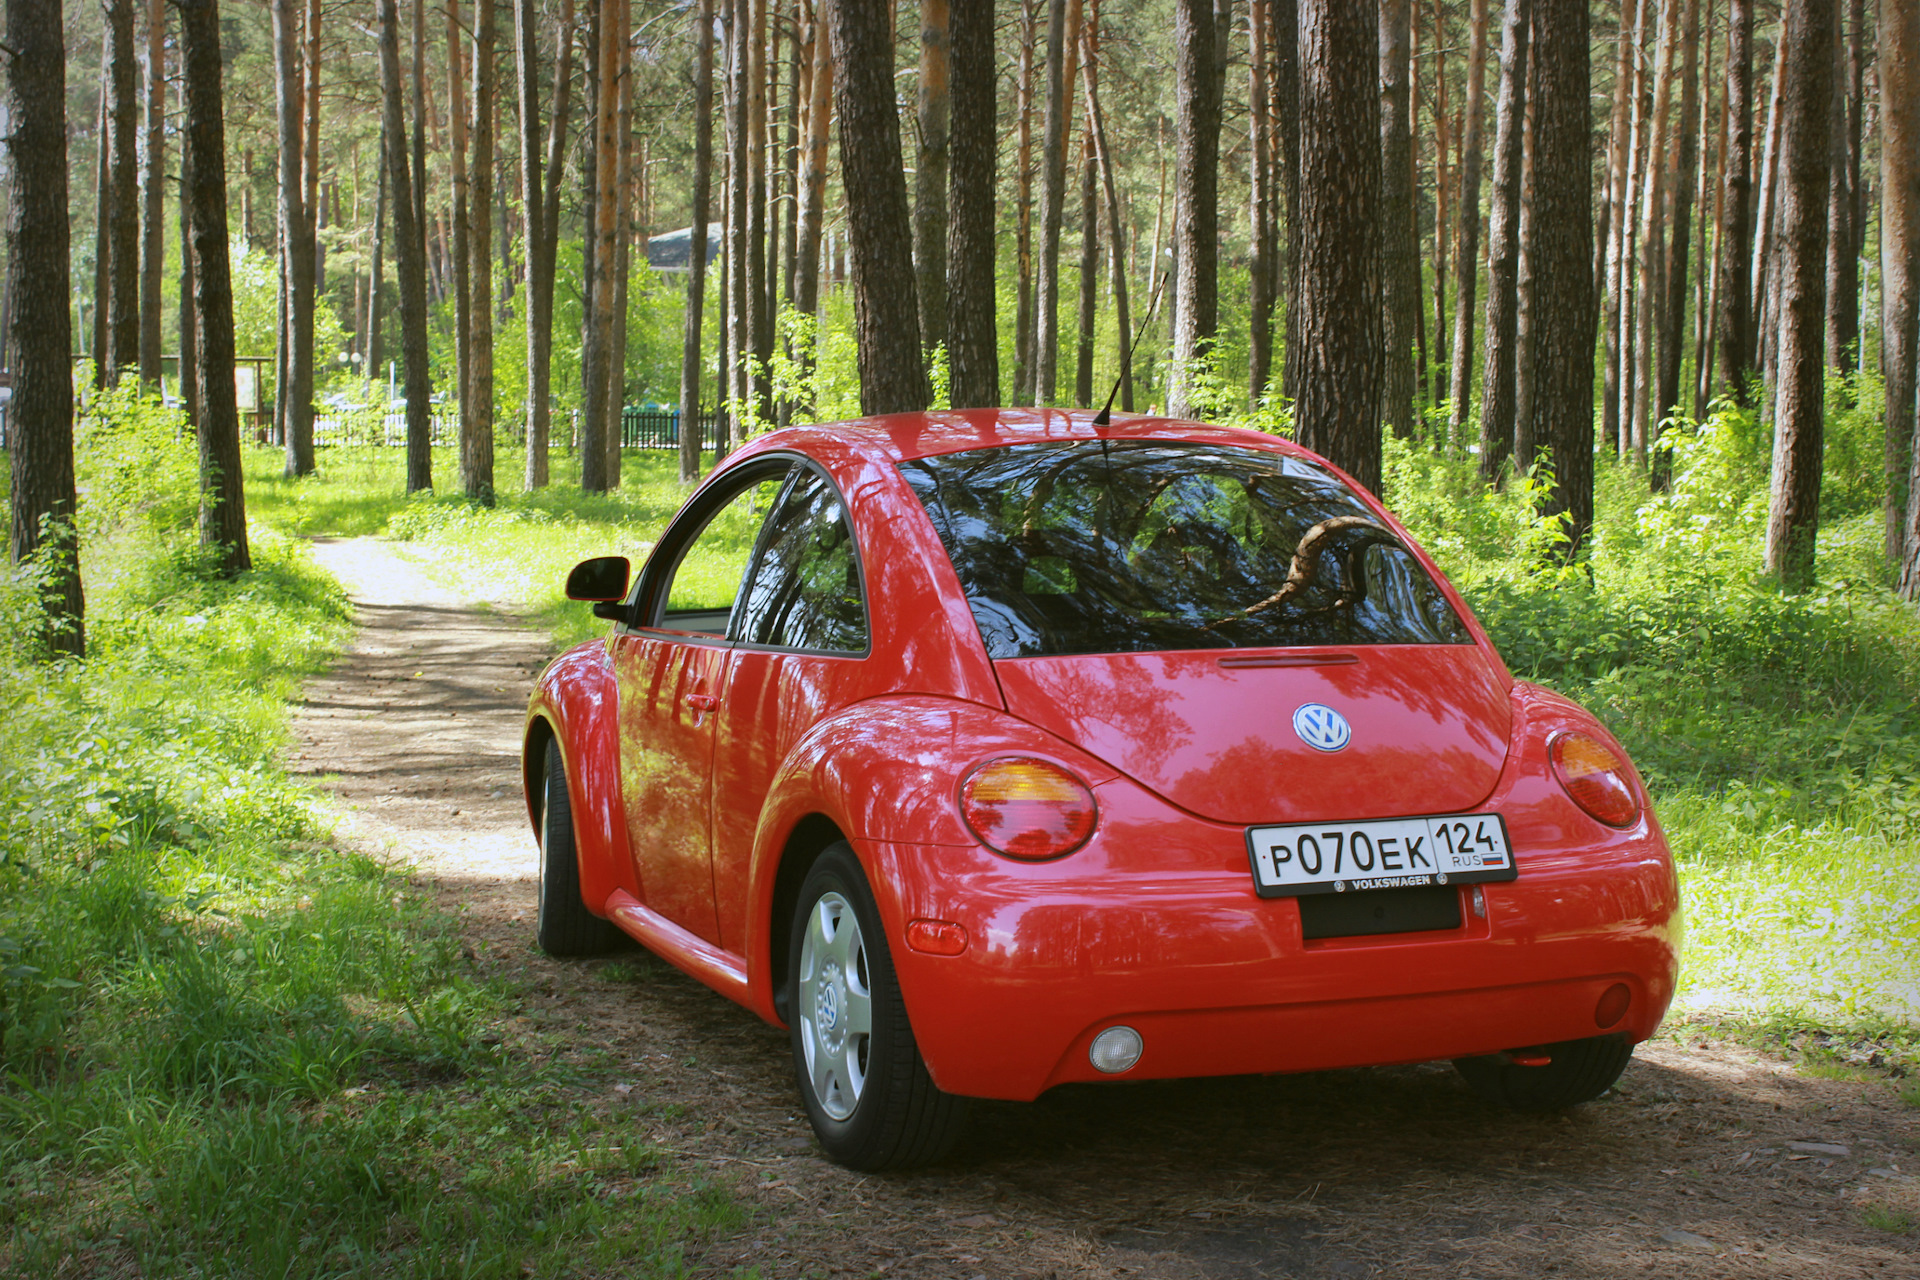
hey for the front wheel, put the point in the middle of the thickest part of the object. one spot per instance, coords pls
(563, 925)
(1577, 1071)
(866, 1089)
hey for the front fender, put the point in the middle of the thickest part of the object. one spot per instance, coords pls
(887, 773)
(575, 702)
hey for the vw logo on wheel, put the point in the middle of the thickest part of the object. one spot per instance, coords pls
(1321, 727)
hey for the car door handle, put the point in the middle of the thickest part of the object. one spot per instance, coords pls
(702, 701)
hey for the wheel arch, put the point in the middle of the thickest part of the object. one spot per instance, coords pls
(809, 838)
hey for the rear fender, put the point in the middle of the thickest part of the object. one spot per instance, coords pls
(574, 704)
(887, 774)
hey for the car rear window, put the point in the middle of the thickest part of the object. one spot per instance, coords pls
(1135, 546)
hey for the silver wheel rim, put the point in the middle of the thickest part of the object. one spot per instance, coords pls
(835, 1007)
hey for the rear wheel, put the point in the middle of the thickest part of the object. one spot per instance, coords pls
(861, 1077)
(1578, 1071)
(565, 926)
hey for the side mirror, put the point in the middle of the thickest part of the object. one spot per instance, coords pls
(601, 578)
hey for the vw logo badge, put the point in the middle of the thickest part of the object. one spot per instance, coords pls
(1321, 727)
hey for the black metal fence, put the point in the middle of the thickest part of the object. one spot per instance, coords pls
(660, 429)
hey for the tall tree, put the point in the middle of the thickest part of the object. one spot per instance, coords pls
(409, 254)
(457, 121)
(296, 237)
(1467, 240)
(1843, 237)
(1793, 511)
(1117, 248)
(814, 162)
(1053, 184)
(1733, 320)
(476, 437)
(1196, 239)
(1561, 252)
(886, 308)
(223, 511)
(1023, 321)
(1623, 172)
(540, 206)
(1899, 69)
(1089, 208)
(1673, 311)
(1503, 249)
(1651, 237)
(1335, 359)
(930, 173)
(42, 499)
(153, 196)
(121, 218)
(1261, 275)
(973, 348)
(598, 417)
(1400, 243)
(697, 241)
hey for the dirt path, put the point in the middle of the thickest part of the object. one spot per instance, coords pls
(1689, 1169)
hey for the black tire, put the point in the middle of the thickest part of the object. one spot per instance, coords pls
(564, 925)
(872, 1104)
(1580, 1071)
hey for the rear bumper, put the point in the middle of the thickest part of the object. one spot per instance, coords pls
(1219, 981)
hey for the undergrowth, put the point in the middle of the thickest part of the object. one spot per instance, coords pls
(227, 1047)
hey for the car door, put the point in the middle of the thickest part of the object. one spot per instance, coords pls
(670, 665)
(802, 642)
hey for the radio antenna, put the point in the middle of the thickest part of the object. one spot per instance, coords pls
(1105, 416)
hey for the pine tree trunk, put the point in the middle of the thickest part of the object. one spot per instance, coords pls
(1284, 17)
(886, 309)
(1335, 356)
(1023, 323)
(153, 196)
(1117, 254)
(1460, 384)
(96, 338)
(973, 347)
(1616, 388)
(189, 364)
(1089, 210)
(296, 240)
(1843, 260)
(814, 162)
(930, 174)
(1650, 293)
(457, 119)
(739, 332)
(1441, 222)
(223, 513)
(372, 349)
(1503, 249)
(1673, 312)
(122, 216)
(42, 498)
(1793, 514)
(622, 255)
(759, 313)
(1399, 246)
(1260, 271)
(1561, 249)
(1196, 236)
(598, 418)
(690, 348)
(1053, 190)
(1766, 209)
(476, 397)
(409, 258)
(1733, 320)
(1899, 73)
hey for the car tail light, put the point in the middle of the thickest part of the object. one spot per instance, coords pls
(1027, 808)
(1596, 778)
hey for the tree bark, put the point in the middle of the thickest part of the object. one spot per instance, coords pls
(1399, 247)
(1899, 71)
(542, 233)
(598, 419)
(1617, 389)
(1503, 249)
(189, 364)
(973, 347)
(296, 239)
(409, 257)
(930, 174)
(1441, 222)
(223, 513)
(1561, 250)
(122, 217)
(1335, 354)
(1733, 319)
(1117, 255)
(96, 339)
(1053, 191)
(690, 349)
(153, 197)
(1467, 241)
(476, 397)
(1793, 512)
(1843, 256)
(462, 228)
(1673, 312)
(1089, 210)
(1765, 213)
(886, 308)
(759, 297)
(1196, 236)
(1651, 237)
(1023, 322)
(42, 498)
(814, 162)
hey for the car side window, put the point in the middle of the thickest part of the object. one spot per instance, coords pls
(706, 579)
(805, 592)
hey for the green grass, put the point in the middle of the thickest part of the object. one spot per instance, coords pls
(227, 1047)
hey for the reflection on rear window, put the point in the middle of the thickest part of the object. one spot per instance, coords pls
(1134, 546)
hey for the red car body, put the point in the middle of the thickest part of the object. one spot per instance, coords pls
(704, 775)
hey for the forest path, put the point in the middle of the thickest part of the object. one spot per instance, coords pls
(1686, 1170)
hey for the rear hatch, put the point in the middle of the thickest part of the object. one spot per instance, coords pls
(1213, 731)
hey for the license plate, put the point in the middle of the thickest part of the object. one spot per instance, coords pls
(1388, 853)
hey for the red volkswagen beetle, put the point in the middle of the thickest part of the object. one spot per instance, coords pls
(992, 750)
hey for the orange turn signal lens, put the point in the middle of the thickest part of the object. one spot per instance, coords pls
(1027, 808)
(936, 937)
(1596, 778)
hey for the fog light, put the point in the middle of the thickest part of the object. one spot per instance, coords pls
(1115, 1050)
(1613, 1005)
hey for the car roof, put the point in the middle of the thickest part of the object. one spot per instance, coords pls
(900, 437)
